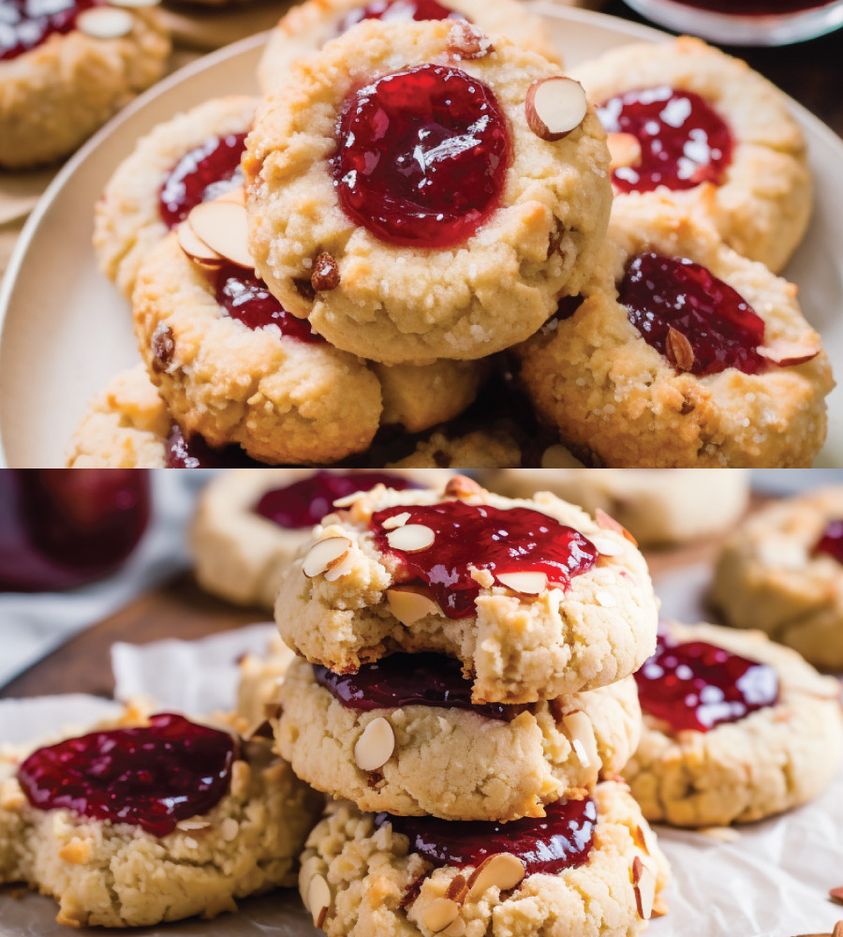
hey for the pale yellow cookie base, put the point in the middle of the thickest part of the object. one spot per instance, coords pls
(370, 870)
(774, 759)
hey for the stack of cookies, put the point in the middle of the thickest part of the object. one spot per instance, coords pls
(464, 693)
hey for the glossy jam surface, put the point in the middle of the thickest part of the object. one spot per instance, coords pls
(398, 11)
(831, 541)
(150, 777)
(62, 528)
(421, 156)
(484, 537)
(193, 452)
(25, 24)
(684, 142)
(695, 685)
(305, 502)
(245, 297)
(206, 172)
(406, 680)
(672, 292)
(560, 840)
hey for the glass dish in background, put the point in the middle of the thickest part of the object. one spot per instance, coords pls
(63, 528)
(745, 22)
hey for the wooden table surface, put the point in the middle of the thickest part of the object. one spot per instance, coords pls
(179, 609)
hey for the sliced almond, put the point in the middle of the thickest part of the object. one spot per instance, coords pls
(555, 106)
(678, 350)
(644, 885)
(224, 228)
(323, 554)
(558, 456)
(194, 248)
(836, 894)
(624, 150)
(580, 730)
(411, 538)
(105, 23)
(375, 746)
(396, 521)
(607, 522)
(503, 870)
(837, 930)
(460, 486)
(606, 547)
(441, 912)
(192, 824)
(529, 583)
(409, 606)
(318, 899)
(789, 354)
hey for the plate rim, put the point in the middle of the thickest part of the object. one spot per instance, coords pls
(818, 128)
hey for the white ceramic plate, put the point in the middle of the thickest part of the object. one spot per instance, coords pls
(65, 330)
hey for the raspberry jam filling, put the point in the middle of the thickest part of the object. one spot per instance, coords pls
(245, 297)
(684, 142)
(717, 327)
(304, 503)
(560, 840)
(25, 24)
(407, 680)
(831, 541)
(398, 11)
(203, 174)
(62, 528)
(190, 452)
(150, 777)
(466, 536)
(421, 156)
(697, 686)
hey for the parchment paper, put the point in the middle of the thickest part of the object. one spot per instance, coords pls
(771, 881)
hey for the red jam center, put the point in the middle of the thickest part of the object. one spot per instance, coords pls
(307, 501)
(699, 686)
(672, 292)
(398, 11)
(484, 537)
(193, 452)
(245, 297)
(684, 142)
(407, 680)
(25, 24)
(203, 174)
(421, 156)
(62, 528)
(831, 541)
(150, 777)
(560, 840)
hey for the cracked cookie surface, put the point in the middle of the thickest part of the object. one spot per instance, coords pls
(516, 648)
(454, 763)
(773, 759)
(400, 304)
(770, 576)
(370, 873)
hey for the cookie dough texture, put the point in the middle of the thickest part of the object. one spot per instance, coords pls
(57, 94)
(370, 870)
(774, 759)
(238, 554)
(259, 687)
(595, 379)
(126, 426)
(127, 221)
(281, 399)
(307, 27)
(517, 650)
(656, 507)
(116, 875)
(398, 304)
(768, 577)
(453, 763)
(492, 448)
(763, 206)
